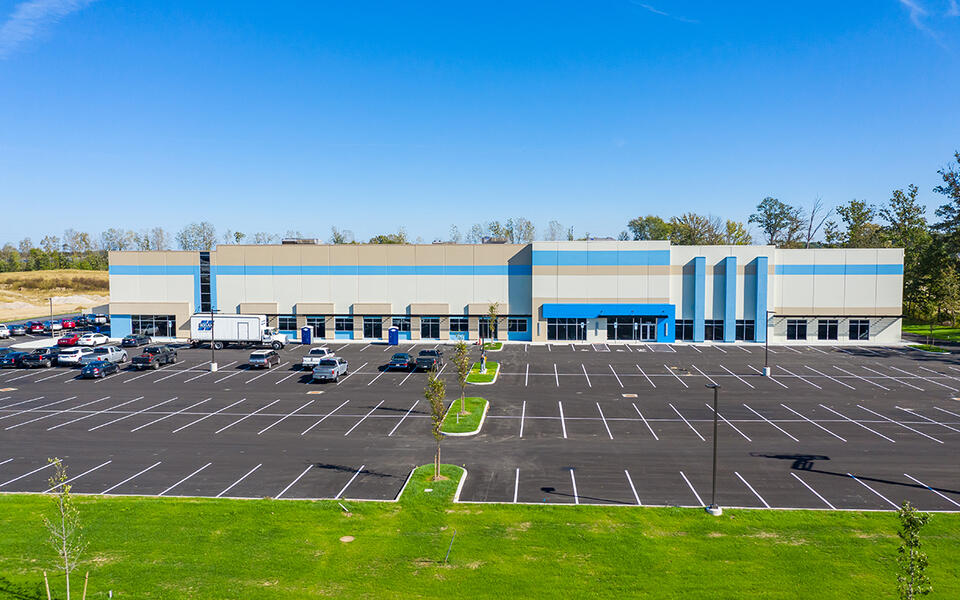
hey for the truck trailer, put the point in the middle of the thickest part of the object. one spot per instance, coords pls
(238, 330)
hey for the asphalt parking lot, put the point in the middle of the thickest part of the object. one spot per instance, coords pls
(835, 427)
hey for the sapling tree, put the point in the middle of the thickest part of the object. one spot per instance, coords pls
(911, 562)
(66, 532)
(434, 392)
(492, 316)
(461, 360)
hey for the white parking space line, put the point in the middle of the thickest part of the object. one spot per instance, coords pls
(340, 493)
(913, 413)
(645, 376)
(3, 462)
(697, 349)
(750, 487)
(744, 349)
(738, 377)
(25, 475)
(632, 488)
(208, 372)
(526, 375)
(364, 418)
(523, 414)
(126, 416)
(351, 373)
(131, 478)
(847, 385)
(928, 379)
(324, 417)
(60, 374)
(724, 419)
(815, 492)
(184, 479)
(516, 485)
(75, 477)
(776, 381)
(573, 481)
(164, 417)
(800, 377)
(675, 375)
(702, 439)
(232, 485)
(585, 375)
(563, 423)
(780, 429)
(379, 375)
(947, 498)
(817, 350)
(265, 372)
(692, 489)
(792, 349)
(893, 378)
(946, 411)
(364, 348)
(555, 374)
(207, 416)
(615, 375)
(871, 382)
(297, 372)
(26, 410)
(9, 406)
(858, 424)
(144, 374)
(604, 419)
(814, 423)
(174, 373)
(652, 432)
(87, 416)
(405, 378)
(885, 499)
(300, 476)
(247, 416)
(285, 417)
(244, 369)
(55, 413)
(720, 349)
(917, 431)
(402, 419)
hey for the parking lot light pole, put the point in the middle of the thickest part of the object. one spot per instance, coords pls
(714, 509)
(766, 344)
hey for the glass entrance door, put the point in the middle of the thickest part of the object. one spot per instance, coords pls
(632, 328)
(648, 329)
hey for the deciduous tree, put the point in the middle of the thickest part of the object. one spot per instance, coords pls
(66, 532)
(650, 227)
(461, 361)
(435, 393)
(197, 236)
(691, 229)
(912, 580)
(780, 223)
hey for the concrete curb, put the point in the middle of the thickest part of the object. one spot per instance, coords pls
(483, 417)
(495, 375)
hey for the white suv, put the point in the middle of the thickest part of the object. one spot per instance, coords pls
(4, 332)
(73, 356)
(92, 339)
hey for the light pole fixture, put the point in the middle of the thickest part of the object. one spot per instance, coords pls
(766, 343)
(714, 509)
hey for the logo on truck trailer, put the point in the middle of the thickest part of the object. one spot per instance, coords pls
(206, 325)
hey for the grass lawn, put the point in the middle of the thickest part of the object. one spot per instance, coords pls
(951, 334)
(206, 549)
(493, 345)
(476, 376)
(467, 423)
(929, 348)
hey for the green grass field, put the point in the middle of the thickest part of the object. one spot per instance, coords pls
(207, 549)
(476, 376)
(493, 345)
(929, 348)
(951, 334)
(466, 423)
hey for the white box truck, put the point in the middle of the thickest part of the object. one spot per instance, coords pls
(240, 330)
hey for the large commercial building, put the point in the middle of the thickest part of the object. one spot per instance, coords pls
(593, 291)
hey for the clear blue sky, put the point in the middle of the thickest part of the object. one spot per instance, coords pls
(369, 116)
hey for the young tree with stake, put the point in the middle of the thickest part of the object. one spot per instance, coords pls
(461, 360)
(435, 392)
(492, 316)
(65, 530)
(911, 580)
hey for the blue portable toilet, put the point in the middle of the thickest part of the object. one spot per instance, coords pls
(306, 335)
(393, 336)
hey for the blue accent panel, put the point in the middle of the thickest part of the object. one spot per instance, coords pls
(120, 325)
(459, 335)
(196, 288)
(760, 330)
(729, 298)
(293, 334)
(213, 289)
(374, 270)
(521, 336)
(667, 329)
(608, 258)
(343, 335)
(699, 297)
(838, 269)
(403, 335)
(591, 311)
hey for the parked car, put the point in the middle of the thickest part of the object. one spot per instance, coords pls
(315, 356)
(153, 357)
(262, 359)
(68, 323)
(402, 360)
(100, 319)
(329, 369)
(4, 351)
(52, 326)
(41, 357)
(99, 368)
(18, 329)
(12, 360)
(82, 321)
(430, 359)
(35, 327)
(71, 356)
(134, 340)
(92, 339)
(4, 332)
(70, 339)
(113, 354)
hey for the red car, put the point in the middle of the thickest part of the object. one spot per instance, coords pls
(70, 339)
(35, 327)
(68, 323)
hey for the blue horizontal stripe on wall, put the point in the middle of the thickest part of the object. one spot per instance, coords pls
(838, 269)
(590, 310)
(606, 258)
(154, 270)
